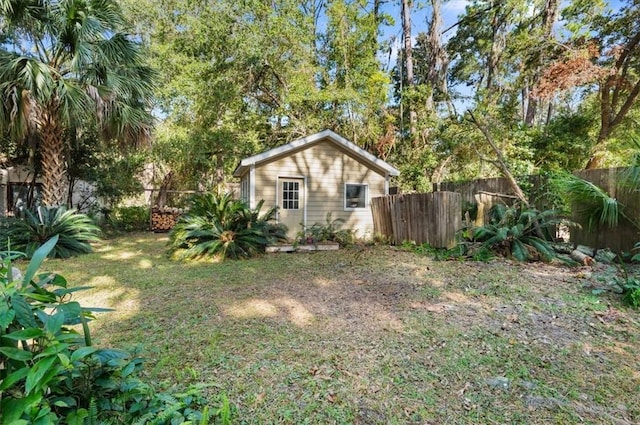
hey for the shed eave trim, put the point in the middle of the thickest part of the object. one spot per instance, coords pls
(325, 134)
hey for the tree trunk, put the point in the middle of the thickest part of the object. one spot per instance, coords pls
(496, 50)
(71, 187)
(53, 164)
(618, 94)
(549, 15)
(532, 109)
(161, 200)
(437, 56)
(408, 58)
(597, 158)
(501, 163)
(219, 169)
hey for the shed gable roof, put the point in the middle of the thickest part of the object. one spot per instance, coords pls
(329, 135)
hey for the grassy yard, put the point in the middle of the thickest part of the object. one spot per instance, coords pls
(373, 336)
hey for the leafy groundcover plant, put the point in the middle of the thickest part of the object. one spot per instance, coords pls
(328, 232)
(27, 233)
(218, 225)
(517, 231)
(51, 374)
(629, 283)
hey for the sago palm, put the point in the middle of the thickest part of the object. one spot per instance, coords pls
(511, 231)
(75, 232)
(218, 225)
(63, 62)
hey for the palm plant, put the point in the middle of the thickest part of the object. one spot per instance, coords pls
(26, 234)
(65, 62)
(203, 237)
(216, 224)
(221, 207)
(591, 204)
(513, 232)
(630, 177)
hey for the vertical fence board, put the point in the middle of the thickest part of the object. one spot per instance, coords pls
(625, 235)
(432, 218)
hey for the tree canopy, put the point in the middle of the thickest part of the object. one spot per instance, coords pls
(554, 84)
(63, 65)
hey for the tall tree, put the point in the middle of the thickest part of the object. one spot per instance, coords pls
(352, 80)
(406, 6)
(499, 50)
(239, 77)
(437, 59)
(619, 42)
(65, 62)
(606, 56)
(543, 35)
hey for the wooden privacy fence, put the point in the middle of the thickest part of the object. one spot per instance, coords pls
(432, 218)
(621, 238)
(625, 235)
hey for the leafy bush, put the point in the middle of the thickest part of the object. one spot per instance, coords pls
(631, 291)
(50, 373)
(27, 233)
(631, 284)
(517, 232)
(328, 232)
(620, 280)
(462, 251)
(116, 176)
(218, 225)
(630, 177)
(129, 219)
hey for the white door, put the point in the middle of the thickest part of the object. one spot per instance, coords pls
(292, 202)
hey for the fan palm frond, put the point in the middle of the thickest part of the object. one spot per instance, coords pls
(84, 66)
(591, 202)
(630, 177)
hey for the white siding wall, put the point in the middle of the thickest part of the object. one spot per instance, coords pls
(327, 168)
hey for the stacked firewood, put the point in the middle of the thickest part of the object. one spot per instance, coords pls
(163, 219)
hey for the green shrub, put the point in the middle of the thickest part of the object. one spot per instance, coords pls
(630, 284)
(637, 256)
(517, 232)
(620, 280)
(218, 225)
(328, 232)
(129, 219)
(631, 292)
(439, 254)
(51, 374)
(462, 251)
(27, 233)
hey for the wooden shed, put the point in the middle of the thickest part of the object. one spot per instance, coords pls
(314, 175)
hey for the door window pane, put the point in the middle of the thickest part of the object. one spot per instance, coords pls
(290, 195)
